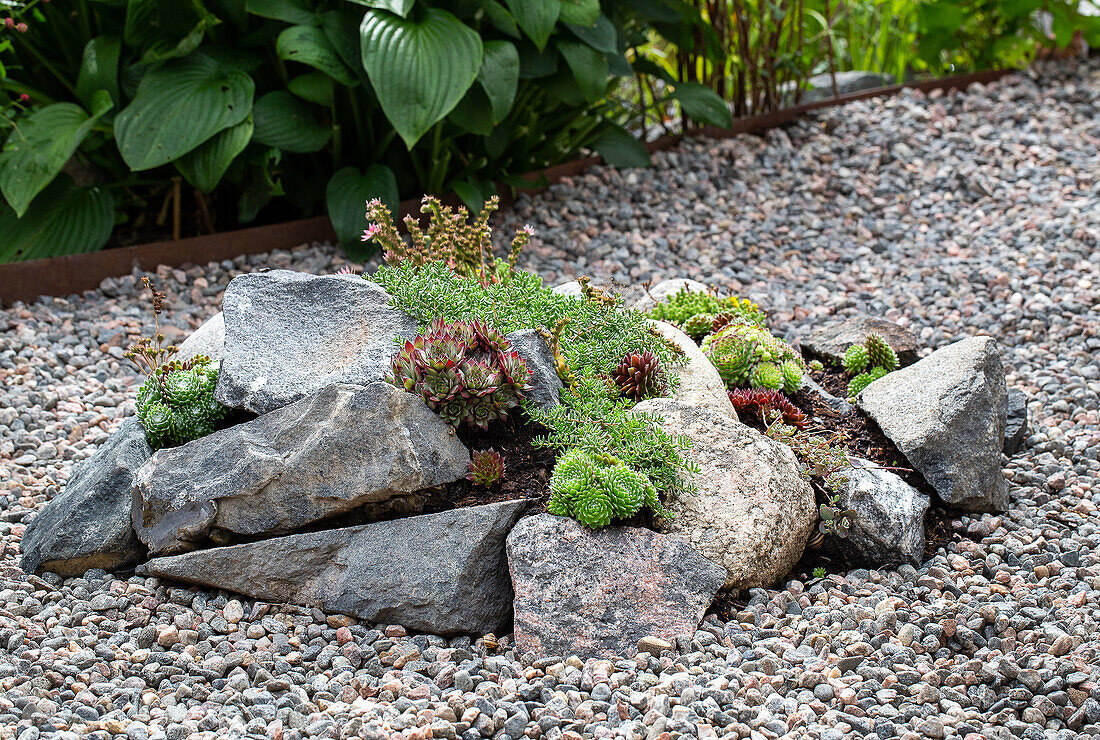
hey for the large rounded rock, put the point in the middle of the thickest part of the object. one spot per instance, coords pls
(753, 512)
(946, 414)
(337, 450)
(288, 334)
(87, 525)
(208, 339)
(595, 594)
(442, 573)
(664, 289)
(700, 383)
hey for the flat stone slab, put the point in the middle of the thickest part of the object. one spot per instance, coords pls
(596, 593)
(337, 450)
(753, 512)
(947, 414)
(442, 573)
(87, 525)
(830, 342)
(288, 334)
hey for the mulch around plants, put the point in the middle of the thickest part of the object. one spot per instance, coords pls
(526, 467)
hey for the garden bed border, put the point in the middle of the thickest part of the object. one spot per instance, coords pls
(62, 276)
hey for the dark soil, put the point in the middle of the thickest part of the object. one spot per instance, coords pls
(526, 468)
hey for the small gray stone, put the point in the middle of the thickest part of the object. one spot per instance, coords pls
(442, 573)
(545, 384)
(87, 525)
(888, 528)
(208, 339)
(332, 452)
(1016, 426)
(288, 334)
(946, 414)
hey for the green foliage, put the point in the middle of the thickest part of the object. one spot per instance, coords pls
(868, 362)
(834, 520)
(819, 572)
(176, 403)
(695, 312)
(486, 468)
(596, 488)
(748, 355)
(820, 454)
(857, 384)
(855, 359)
(768, 405)
(880, 353)
(465, 372)
(281, 108)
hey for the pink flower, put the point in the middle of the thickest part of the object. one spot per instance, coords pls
(24, 98)
(528, 230)
(371, 231)
(9, 23)
(374, 202)
(21, 27)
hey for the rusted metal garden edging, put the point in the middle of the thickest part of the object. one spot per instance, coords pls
(61, 276)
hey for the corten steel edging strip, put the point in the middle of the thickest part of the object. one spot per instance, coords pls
(61, 276)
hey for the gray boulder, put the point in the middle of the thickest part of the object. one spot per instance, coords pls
(700, 383)
(888, 528)
(664, 289)
(330, 453)
(946, 414)
(571, 289)
(753, 512)
(595, 594)
(545, 384)
(1015, 421)
(821, 86)
(287, 334)
(442, 573)
(87, 525)
(208, 339)
(830, 342)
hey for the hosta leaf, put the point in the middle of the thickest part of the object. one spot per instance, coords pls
(179, 106)
(66, 220)
(499, 16)
(589, 67)
(99, 69)
(474, 194)
(316, 87)
(499, 76)
(599, 35)
(40, 145)
(309, 45)
(290, 11)
(261, 184)
(580, 12)
(204, 167)
(619, 149)
(420, 69)
(474, 112)
(285, 122)
(399, 7)
(703, 104)
(166, 29)
(536, 17)
(346, 196)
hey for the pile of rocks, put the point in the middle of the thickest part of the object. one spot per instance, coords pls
(262, 507)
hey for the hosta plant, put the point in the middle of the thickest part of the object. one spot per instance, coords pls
(486, 468)
(467, 372)
(595, 488)
(696, 312)
(747, 354)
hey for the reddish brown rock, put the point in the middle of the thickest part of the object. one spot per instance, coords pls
(596, 593)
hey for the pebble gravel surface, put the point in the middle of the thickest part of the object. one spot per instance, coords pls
(954, 214)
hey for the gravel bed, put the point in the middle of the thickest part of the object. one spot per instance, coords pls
(955, 214)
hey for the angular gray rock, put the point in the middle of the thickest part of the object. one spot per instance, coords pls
(87, 525)
(946, 414)
(287, 334)
(700, 383)
(208, 339)
(545, 384)
(664, 289)
(442, 573)
(888, 528)
(337, 450)
(830, 342)
(597, 593)
(753, 512)
(1016, 426)
(837, 404)
(821, 86)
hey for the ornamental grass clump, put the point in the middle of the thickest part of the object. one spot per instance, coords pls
(467, 372)
(748, 355)
(176, 402)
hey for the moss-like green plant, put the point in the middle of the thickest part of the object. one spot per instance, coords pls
(855, 359)
(748, 355)
(176, 402)
(695, 312)
(596, 488)
(880, 353)
(465, 372)
(868, 362)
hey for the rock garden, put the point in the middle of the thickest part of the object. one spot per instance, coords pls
(458, 493)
